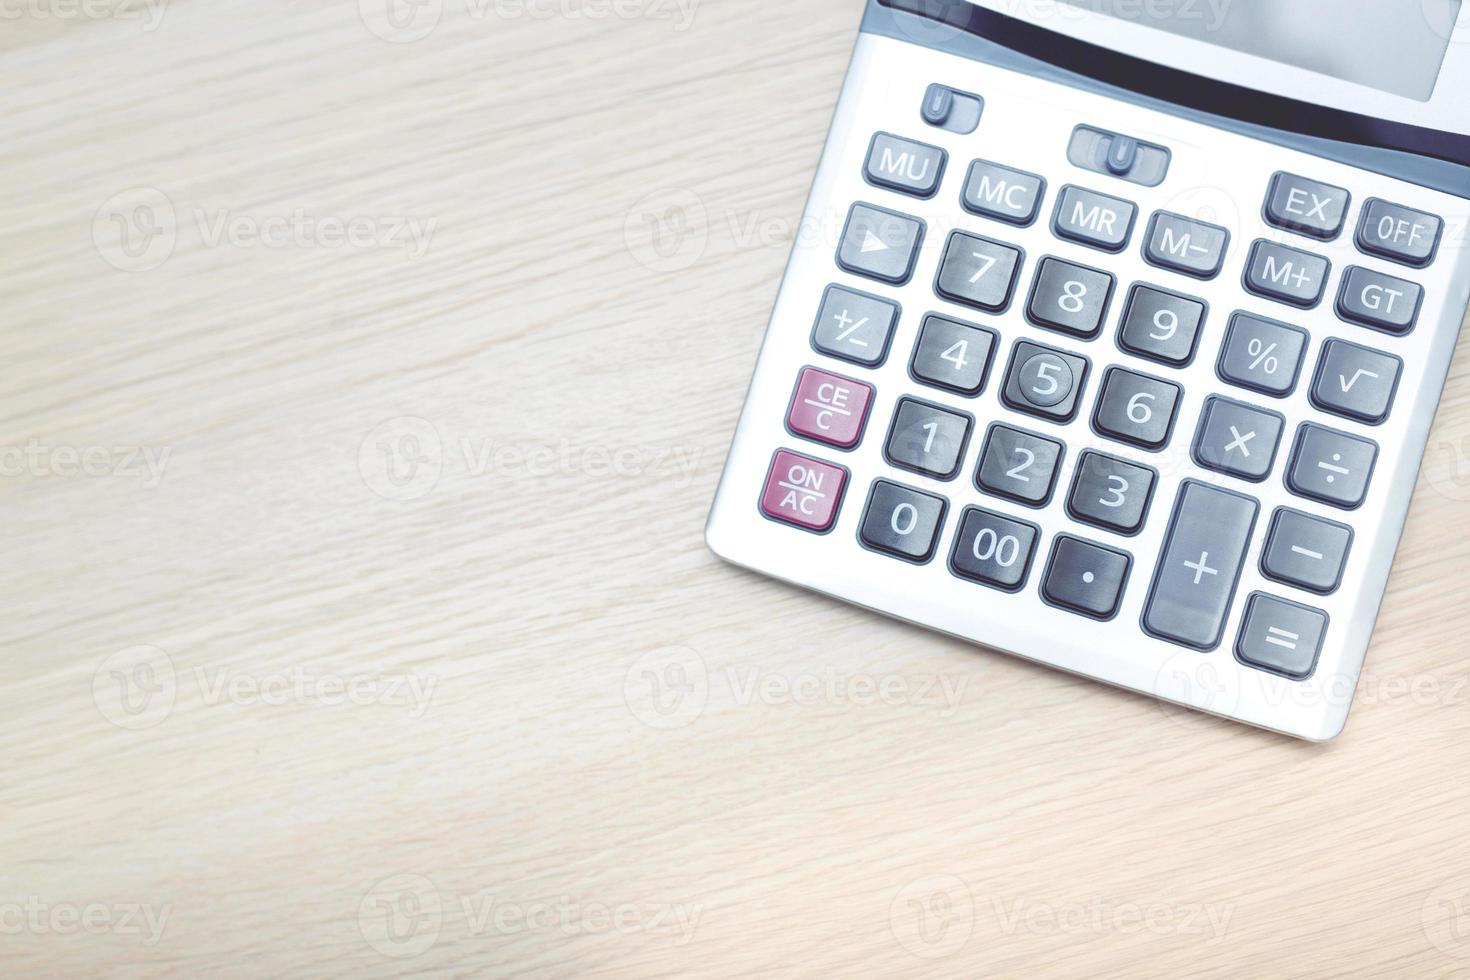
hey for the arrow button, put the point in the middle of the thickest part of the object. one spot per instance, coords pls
(880, 244)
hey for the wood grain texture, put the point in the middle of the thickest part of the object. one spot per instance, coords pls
(465, 476)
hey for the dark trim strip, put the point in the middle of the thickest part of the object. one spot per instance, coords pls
(1187, 89)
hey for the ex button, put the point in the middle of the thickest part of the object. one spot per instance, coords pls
(1306, 206)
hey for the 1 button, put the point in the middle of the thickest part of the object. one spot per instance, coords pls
(1085, 577)
(1182, 244)
(1161, 326)
(829, 408)
(1306, 206)
(1306, 551)
(1199, 565)
(1135, 408)
(1331, 466)
(953, 355)
(1286, 274)
(1282, 637)
(1262, 355)
(880, 244)
(1019, 465)
(993, 191)
(854, 326)
(993, 550)
(1111, 493)
(1237, 439)
(803, 491)
(1376, 300)
(1355, 381)
(927, 439)
(902, 521)
(978, 272)
(1094, 219)
(1070, 298)
(904, 165)
(1399, 233)
(1044, 382)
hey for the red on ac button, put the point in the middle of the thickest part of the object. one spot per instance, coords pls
(803, 491)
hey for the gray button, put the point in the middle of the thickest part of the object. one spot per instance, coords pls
(1237, 439)
(1199, 565)
(1331, 466)
(1282, 637)
(1306, 206)
(1086, 577)
(1043, 381)
(1111, 493)
(1287, 274)
(953, 355)
(1000, 192)
(1136, 408)
(1399, 233)
(993, 549)
(1184, 245)
(1070, 298)
(901, 521)
(880, 244)
(1118, 156)
(1161, 326)
(1306, 551)
(1262, 355)
(1376, 300)
(1019, 465)
(927, 439)
(904, 165)
(1094, 219)
(978, 272)
(854, 326)
(951, 109)
(1355, 381)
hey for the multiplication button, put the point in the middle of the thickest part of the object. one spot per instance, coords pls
(1237, 439)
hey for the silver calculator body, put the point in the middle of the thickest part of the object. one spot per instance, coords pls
(1114, 348)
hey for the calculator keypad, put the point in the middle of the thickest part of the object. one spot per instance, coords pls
(1161, 326)
(1136, 408)
(902, 521)
(1044, 382)
(1258, 354)
(978, 272)
(880, 244)
(1070, 298)
(1262, 355)
(927, 439)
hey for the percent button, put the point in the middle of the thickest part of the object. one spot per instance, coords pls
(1262, 355)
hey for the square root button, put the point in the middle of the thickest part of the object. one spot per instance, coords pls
(803, 491)
(829, 408)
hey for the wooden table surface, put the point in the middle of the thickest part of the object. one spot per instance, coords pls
(367, 381)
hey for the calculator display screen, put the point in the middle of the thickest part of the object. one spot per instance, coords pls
(1395, 46)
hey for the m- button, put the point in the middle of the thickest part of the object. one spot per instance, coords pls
(1185, 245)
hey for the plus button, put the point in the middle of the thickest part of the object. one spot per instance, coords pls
(1201, 567)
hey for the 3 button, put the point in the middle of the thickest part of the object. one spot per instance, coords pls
(1111, 493)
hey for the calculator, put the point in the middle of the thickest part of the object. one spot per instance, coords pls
(1114, 337)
